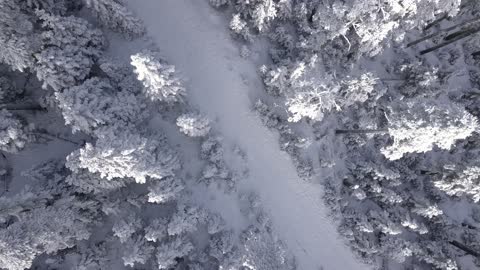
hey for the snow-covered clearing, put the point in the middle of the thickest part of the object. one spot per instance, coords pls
(195, 39)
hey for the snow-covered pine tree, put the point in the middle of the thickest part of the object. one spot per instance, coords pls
(418, 125)
(164, 190)
(263, 14)
(96, 103)
(17, 37)
(461, 181)
(61, 7)
(124, 154)
(87, 182)
(24, 201)
(218, 3)
(86, 107)
(125, 228)
(13, 134)
(156, 230)
(70, 47)
(137, 251)
(193, 125)
(168, 251)
(113, 15)
(186, 220)
(240, 27)
(263, 251)
(158, 78)
(45, 229)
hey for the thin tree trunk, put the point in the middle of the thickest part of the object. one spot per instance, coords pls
(475, 54)
(473, 93)
(5, 177)
(456, 34)
(46, 135)
(456, 38)
(465, 248)
(469, 226)
(27, 80)
(21, 107)
(360, 131)
(392, 79)
(415, 42)
(430, 25)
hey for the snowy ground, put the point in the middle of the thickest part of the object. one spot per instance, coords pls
(194, 38)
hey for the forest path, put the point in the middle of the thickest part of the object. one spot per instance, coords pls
(194, 38)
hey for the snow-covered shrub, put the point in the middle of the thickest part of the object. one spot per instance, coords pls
(8, 91)
(212, 150)
(428, 211)
(125, 228)
(420, 79)
(276, 80)
(215, 224)
(240, 27)
(218, 3)
(185, 220)
(13, 136)
(263, 251)
(156, 230)
(168, 252)
(269, 118)
(164, 190)
(136, 251)
(223, 248)
(193, 125)
(216, 168)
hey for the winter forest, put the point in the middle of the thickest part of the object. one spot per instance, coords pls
(239, 134)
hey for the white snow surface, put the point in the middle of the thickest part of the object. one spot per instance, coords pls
(194, 38)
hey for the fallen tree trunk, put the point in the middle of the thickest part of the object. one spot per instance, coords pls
(465, 248)
(435, 22)
(47, 135)
(22, 107)
(415, 42)
(360, 131)
(458, 37)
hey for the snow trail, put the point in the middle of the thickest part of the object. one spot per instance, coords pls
(195, 39)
